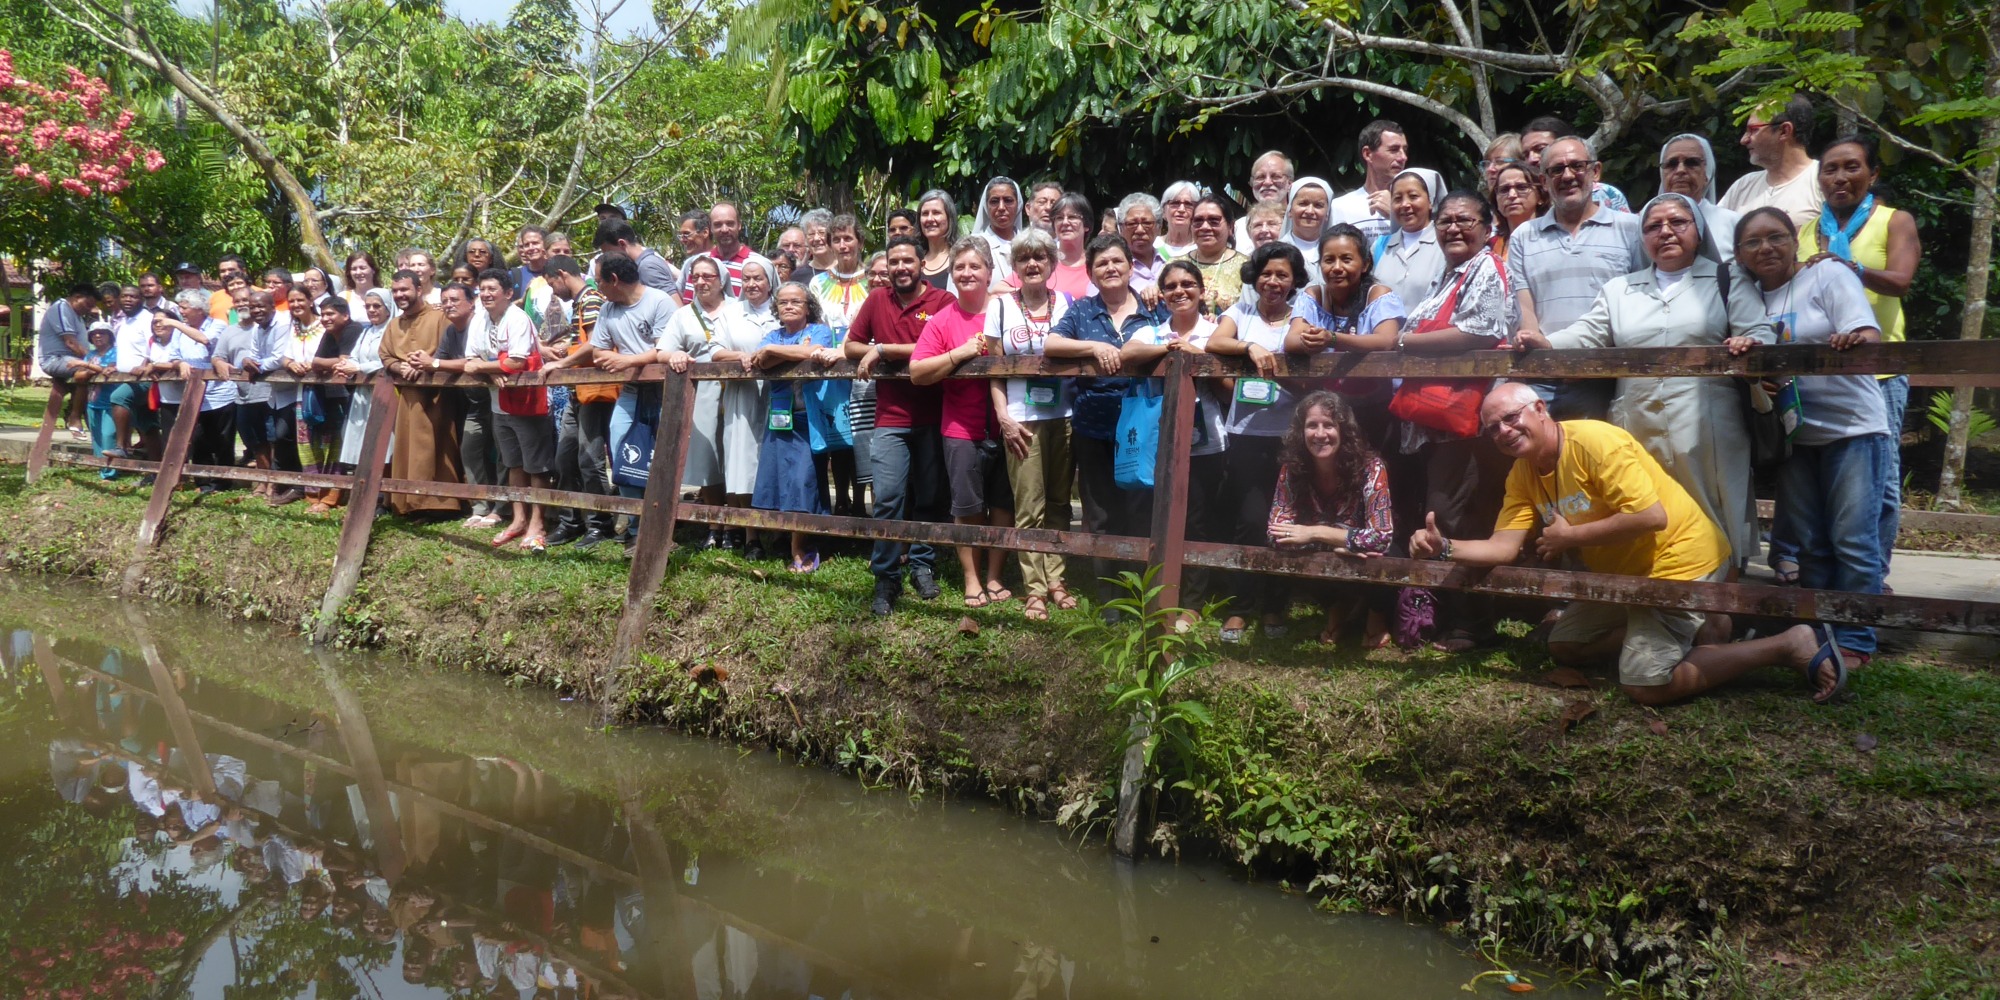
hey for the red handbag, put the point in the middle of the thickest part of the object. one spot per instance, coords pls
(1450, 405)
(525, 400)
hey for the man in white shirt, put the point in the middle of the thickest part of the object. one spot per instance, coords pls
(1385, 151)
(1271, 177)
(1790, 178)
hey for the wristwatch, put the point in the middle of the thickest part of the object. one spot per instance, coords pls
(434, 364)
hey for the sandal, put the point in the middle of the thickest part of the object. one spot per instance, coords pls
(535, 543)
(994, 594)
(1232, 635)
(1787, 577)
(978, 600)
(1035, 608)
(1828, 650)
(512, 532)
(1062, 599)
(801, 566)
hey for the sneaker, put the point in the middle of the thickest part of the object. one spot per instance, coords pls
(925, 583)
(589, 538)
(714, 541)
(754, 553)
(563, 535)
(283, 497)
(886, 593)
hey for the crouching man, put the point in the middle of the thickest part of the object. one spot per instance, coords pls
(1592, 488)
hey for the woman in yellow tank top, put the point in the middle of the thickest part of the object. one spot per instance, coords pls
(1882, 246)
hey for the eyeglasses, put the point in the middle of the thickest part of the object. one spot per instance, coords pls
(1518, 187)
(1142, 223)
(1209, 220)
(1684, 163)
(1777, 240)
(1457, 222)
(1181, 203)
(1578, 167)
(1662, 225)
(1512, 418)
(1752, 128)
(1495, 164)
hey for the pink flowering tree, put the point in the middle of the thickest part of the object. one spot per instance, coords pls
(66, 136)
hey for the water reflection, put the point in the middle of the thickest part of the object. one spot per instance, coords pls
(205, 841)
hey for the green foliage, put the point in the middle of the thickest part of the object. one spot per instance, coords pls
(1979, 422)
(1149, 652)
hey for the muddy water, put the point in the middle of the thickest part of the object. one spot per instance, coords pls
(198, 809)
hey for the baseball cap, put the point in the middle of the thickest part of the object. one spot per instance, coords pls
(186, 267)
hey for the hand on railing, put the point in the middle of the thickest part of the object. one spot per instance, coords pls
(1531, 339)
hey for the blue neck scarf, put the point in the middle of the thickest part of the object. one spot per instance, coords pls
(1837, 239)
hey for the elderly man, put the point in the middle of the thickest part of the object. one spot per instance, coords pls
(1559, 261)
(1589, 487)
(1271, 177)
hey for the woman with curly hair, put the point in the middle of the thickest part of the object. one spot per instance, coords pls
(1333, 494)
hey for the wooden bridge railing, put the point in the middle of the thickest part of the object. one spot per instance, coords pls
(1962, 362)
(1974, 363)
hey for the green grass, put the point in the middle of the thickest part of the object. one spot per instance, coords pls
(22, 406)
(1442, 785)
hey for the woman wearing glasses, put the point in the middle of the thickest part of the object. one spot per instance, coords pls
(1220, 264)
(1176, 239)
(1693, 426)
(1687, 167)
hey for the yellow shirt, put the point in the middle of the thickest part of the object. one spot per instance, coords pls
(1871, 250)
(1603, 471)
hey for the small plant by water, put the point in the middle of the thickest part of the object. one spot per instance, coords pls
(1148, 653)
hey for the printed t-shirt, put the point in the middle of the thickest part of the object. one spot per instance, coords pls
(1817, 303)
(635, 328)
(884, 319)
(1603, 471)
(966, 404)
(1017, 333)
(487, 338)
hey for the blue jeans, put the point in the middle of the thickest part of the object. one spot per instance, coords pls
(909, 486)
(1896, 400)
(1831, 496)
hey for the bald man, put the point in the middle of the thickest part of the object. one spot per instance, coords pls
(1588, 486)
(1271, 177)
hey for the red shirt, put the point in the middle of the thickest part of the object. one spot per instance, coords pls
(732, 272)
(885, 320)
(967, 402)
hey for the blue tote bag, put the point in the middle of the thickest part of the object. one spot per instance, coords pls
(1138, 436)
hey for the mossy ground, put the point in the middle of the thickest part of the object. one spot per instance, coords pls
(1745, 840)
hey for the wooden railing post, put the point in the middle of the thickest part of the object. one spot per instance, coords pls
(38, 455)
(656, 534)
(1169, 543)
(179, 440)
(360, 520)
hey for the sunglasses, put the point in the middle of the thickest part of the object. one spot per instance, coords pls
(1684, 163)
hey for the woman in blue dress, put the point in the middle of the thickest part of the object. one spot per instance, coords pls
(794, 429)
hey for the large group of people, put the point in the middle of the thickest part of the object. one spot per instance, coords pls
(1643, 476)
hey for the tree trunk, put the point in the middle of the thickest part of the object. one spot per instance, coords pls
(1972, 325)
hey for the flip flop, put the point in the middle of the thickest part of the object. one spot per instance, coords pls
(535, 543)
(998, 594)
(801, 566)
(1829, 648)
(513, 532)
(1232, 636)
(1786, 577)
(978, 600)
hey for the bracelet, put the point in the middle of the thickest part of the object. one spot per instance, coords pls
(1444, 551)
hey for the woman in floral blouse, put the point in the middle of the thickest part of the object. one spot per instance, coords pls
(1333, 494)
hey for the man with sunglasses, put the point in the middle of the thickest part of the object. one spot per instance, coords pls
(1558, 262)
(1589, 487)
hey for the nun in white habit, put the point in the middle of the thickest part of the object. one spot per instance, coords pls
(1687, 167)
(1695, 427)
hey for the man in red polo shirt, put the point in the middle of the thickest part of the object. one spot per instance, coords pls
(907, 451)
(725, 235)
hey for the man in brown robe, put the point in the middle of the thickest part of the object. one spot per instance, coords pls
(426, 446)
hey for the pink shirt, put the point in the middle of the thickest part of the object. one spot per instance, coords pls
(968, 402)
(1073, 279)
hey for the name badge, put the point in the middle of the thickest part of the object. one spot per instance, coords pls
(780, 419)
(1044, 393)
(1256, 391)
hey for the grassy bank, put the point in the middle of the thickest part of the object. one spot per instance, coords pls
(1744, 840)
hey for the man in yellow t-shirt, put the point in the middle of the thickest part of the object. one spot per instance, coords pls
(1591, 487)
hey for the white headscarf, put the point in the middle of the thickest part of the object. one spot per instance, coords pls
(1433, 184)
(388, 302)
(1293, 196)
(761, 316)
(1707, 154)
(983, 225)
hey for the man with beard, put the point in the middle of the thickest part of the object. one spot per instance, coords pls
(426, 443)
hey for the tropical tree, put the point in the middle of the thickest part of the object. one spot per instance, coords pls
(1925, 76)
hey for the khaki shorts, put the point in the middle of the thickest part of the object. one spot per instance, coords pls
(1656, 639)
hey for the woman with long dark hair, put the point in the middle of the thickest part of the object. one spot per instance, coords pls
(1333, 494)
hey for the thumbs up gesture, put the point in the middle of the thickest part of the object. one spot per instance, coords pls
(1427, 542)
